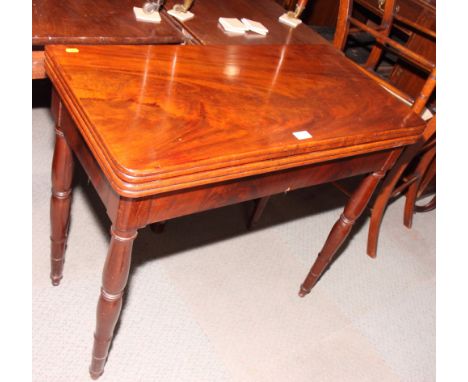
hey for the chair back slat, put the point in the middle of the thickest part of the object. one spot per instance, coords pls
(342, 25)
(415, 58)
(384, 30)
(381, 33)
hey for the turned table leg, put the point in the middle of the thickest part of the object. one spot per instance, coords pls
(353, 209)
(114, 280)
(62, 174)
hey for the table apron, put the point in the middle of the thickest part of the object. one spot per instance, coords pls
(185, 202)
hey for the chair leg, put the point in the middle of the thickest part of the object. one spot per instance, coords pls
(427, 178)
(385, 193)
(260, 205)
(413, 190)
(379, 207)
(340, 231)
(431, 205)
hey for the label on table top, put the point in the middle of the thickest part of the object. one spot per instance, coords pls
(302, 135)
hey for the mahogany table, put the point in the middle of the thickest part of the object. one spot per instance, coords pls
(166, 131)
(92, 22)
(204, 29)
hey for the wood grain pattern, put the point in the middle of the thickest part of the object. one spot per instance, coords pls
(204, 28)
(198, 115)
(96, 22)
(169, 205)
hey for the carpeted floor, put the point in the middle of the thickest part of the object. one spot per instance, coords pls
(209, 301)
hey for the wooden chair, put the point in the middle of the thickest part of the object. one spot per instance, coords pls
(424, 151)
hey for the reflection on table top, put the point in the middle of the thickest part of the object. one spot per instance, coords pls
(162, 117)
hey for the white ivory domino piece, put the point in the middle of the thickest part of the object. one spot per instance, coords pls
(255, 26)
(291, 21)
(181, 16)
(140, 15)
(232, 25)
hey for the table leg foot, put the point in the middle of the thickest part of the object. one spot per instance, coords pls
(96, 375)
(303, 291)
(55, 280)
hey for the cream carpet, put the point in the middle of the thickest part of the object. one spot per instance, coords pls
(209, 301)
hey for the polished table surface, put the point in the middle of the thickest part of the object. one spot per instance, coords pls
(165, 131)
(195, 115)
(205, 29)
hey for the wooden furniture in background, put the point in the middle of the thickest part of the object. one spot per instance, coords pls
(411, 13)
(204, 29)
(166, 131)
(92, 22)
(417, 20)
(423, 159)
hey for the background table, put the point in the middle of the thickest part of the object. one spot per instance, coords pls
(204, 28)
(92, 22)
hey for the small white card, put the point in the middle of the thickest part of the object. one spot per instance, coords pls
(301, 135)
(146, 17)
(181, 16)
(232, 25)
(255, 26)
(291, 21)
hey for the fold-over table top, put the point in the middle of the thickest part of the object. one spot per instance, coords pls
(163, 118)
(96, 22)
